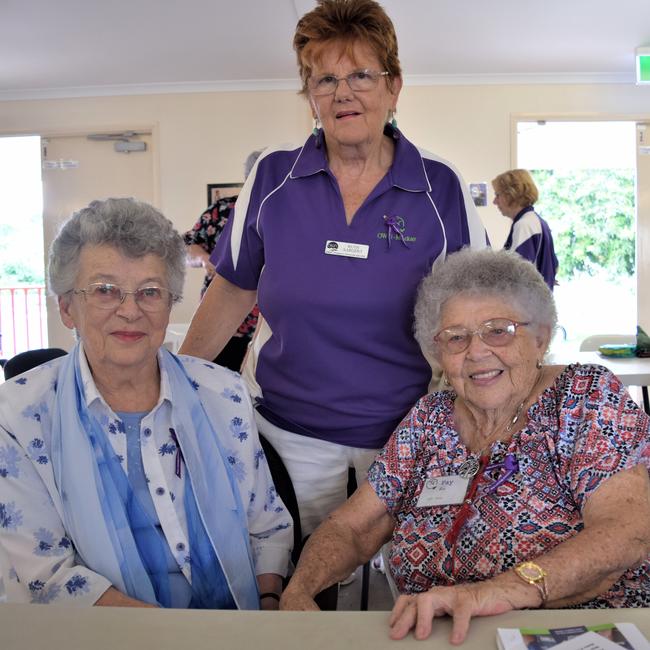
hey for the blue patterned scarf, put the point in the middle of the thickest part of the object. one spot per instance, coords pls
(101, 512)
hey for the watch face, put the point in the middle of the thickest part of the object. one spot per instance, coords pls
(530, 571)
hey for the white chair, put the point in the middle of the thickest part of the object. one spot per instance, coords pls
(385, 552)
(174, 336)
(593, 342)
(4, 572)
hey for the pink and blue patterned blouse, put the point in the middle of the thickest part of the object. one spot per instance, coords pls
(582, 430)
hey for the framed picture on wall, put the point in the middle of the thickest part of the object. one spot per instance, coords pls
(218, 191)
(479, 192)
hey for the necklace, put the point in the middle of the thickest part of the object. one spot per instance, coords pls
(471, 466)
(520, 408)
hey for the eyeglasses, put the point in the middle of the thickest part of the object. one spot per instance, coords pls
(496, 332)
(110, 296)
(359, 81)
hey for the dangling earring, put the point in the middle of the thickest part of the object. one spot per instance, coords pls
(392, 120)
(445, 381)
(538, 365)
(316, 128)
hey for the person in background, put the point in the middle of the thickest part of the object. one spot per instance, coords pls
(333, 237)
(130, 476)
(523, 486)
(515, 194)
(200, 242)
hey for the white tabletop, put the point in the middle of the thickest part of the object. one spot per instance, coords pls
(26, 627)
(632, 371)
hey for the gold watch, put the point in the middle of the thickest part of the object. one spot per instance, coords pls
(533, 574)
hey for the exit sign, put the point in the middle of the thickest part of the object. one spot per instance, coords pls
(643, 65)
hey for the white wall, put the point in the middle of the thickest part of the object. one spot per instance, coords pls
(204, 137)
(197, 139)
(472, 125)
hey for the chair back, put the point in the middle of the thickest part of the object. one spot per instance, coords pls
(284, 488)
(25, 361)
(327, 598)
(592, 343)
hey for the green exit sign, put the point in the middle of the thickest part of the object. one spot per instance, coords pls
(643, 65)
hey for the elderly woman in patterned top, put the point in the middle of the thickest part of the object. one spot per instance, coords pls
(130, 476)
(525, 485)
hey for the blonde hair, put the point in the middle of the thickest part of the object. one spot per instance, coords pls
(346, 23)
(518, 186)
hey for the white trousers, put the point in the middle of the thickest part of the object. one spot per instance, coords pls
(318, 470)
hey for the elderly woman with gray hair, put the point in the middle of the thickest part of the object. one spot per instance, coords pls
(525, 485)
(130, 476)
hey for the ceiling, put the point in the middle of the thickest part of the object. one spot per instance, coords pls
(68, 48)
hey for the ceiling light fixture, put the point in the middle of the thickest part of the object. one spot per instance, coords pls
(643, 65)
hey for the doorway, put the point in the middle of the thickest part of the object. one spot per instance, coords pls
(77, 170)
(43, 180)
(586, 175)
(23, 324)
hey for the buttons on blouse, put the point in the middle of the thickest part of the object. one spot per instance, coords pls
(180, 546)
(147, 432)
(160, 491)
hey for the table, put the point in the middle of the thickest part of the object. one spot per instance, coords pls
(25, 627)
(632, 371)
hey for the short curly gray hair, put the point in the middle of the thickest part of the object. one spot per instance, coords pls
(499, 273)
(134, 228)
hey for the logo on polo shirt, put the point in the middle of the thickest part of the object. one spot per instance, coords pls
(395, 227)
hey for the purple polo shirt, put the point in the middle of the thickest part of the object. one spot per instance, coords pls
(341, 363)
(530, 237)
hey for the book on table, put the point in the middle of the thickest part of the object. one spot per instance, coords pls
(608, 636)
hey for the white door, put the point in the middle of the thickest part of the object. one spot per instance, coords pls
(87, 170)
(643, 223)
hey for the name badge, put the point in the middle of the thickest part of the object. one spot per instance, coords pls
(346, 249)
(443, 491)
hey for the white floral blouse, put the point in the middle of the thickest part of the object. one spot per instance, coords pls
(38, 563)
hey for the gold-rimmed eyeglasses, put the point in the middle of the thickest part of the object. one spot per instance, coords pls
(110, 296)
(359, 81)
(495, 332)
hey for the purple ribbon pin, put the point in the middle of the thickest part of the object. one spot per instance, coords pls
(509, 464)
(393, 226)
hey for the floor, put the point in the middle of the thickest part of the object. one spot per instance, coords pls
(379, 596)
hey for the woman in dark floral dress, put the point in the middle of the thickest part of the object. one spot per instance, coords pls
(200, 242)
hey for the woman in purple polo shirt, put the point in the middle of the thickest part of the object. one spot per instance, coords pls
(333, 237)
(515, 194)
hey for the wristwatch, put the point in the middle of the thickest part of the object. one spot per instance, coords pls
(533, 574)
